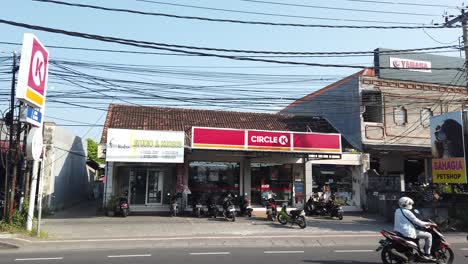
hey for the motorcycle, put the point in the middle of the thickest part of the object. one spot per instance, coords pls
(174, 207)
(229, 210)
(312, 205)
(122, 207)
(212, 207)
(316, 207)
(294, 217)
(198, 209)
(398, 249)
(271, 209)
(245, 207)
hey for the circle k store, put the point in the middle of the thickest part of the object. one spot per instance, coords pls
(153, 151)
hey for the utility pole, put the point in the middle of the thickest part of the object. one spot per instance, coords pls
(11, 168)
(463, 18)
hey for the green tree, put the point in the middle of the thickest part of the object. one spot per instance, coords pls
(93, 151)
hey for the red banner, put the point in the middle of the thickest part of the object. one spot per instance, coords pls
(282, 141)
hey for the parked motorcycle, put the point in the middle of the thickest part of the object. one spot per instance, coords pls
(315, 206)
(174, 207)
(245, 207)
(294, 217)
(271, 209)
(198, 209)
(398, 249)
(122, 207)
(312, 205)
(229, 210)
(212, 207)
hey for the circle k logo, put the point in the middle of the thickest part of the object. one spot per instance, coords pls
(283, 140)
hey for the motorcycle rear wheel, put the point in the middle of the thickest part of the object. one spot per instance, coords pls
(125, 212)
(282, 219)
(445, 256)
(388, 258)
(340, 216)
(301, 222)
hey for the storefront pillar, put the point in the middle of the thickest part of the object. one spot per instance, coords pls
(246, 178)
(308, 179)
(108, 186)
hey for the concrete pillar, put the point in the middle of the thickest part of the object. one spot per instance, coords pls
(246, 181)
(108, 187)
(308, 179)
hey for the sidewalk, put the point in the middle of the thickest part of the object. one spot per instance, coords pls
(82, 227)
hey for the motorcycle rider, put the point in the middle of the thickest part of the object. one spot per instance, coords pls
(406, 222)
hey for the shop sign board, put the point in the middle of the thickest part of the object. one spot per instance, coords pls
(259, 140)
(127, 145)
(448, 145)
(33, 72)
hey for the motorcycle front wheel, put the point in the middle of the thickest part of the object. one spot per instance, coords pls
(445, 256)
(340, 216)
(388, 257)
(282, 219)
(301, 222)
(125, 212)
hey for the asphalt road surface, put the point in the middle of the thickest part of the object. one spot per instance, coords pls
(225, 255)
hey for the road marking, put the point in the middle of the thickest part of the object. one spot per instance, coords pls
(129, 256)
(32, 259)
(198, 238)
(464, 249)
(282, 252)
(353, 250)
(210, 253)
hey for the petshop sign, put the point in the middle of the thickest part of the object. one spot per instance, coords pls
(448, 148)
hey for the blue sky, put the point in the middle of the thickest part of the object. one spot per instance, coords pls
(209, 34)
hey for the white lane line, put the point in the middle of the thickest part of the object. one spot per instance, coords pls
(283, 252)
(129, 256)
(464, 249)
(209, 253)
(35, 259)
(354, 251)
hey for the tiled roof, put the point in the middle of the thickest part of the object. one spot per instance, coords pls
(182, 119)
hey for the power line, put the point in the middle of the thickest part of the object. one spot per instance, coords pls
(400, 3)
(334, 8)
(153, 45)
(244, 21)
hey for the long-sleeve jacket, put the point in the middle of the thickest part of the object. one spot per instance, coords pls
(404, 226)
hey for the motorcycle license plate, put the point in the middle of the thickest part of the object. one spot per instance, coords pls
(198, 206)
(249, 207)
(232, 210)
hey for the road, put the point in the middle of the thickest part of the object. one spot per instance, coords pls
(225, 255)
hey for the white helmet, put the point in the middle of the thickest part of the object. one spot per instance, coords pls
(406, 203)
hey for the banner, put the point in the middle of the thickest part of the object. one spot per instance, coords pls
(448, 148)
(145, 146)
(260, 140)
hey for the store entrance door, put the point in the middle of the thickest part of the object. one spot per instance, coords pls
(146, 187)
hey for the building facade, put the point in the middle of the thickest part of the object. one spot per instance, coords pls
(251, 154)
(386, 112)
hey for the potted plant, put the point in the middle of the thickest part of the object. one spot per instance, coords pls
(111, 204)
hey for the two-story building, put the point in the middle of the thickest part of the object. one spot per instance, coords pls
(385, 111)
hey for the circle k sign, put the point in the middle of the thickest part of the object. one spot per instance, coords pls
(32, 76)
(265, 140)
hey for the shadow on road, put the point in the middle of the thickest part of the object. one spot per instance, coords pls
(338, 261)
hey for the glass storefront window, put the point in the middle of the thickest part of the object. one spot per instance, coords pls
(270, 179)
(338, 177)
(212, 179)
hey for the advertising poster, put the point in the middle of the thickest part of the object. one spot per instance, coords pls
(448, 148)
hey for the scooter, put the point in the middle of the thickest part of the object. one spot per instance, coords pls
(174, 207)
(198, 209)
(212, 208)
(229, 210)
(312, 205)
(122, 207)
(295, 217)
(271, 209)
(245, 207)
(398, 249)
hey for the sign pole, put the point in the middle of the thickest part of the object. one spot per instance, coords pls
(40, 194)
(32, 196)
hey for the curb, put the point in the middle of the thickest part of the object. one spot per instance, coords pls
(6, 246)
